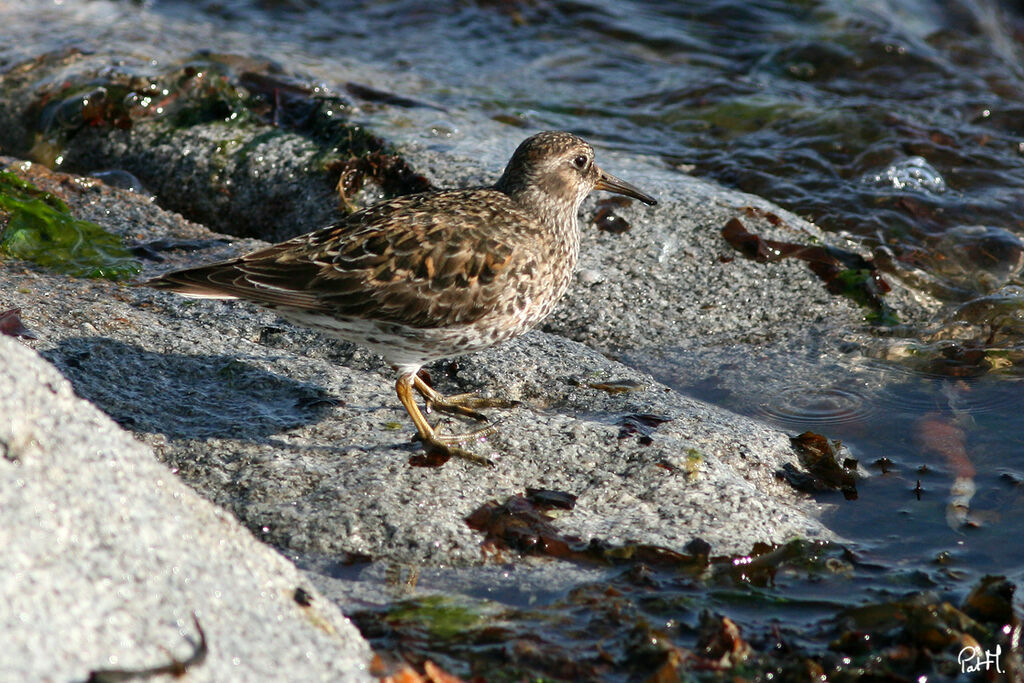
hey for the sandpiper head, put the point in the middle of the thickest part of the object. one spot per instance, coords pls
(561, 165)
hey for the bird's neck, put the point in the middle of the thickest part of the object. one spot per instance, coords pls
(557, 216)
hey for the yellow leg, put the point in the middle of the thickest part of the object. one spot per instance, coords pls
(428, 434)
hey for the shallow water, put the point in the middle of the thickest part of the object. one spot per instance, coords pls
(900, 124)
(939, 435)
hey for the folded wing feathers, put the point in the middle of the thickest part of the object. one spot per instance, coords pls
(412, 272)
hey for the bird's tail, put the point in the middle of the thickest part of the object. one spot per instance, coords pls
(205, 282)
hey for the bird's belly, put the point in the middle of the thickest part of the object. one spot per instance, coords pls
(401, 345)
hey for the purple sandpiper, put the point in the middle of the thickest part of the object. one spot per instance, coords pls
(432, 275)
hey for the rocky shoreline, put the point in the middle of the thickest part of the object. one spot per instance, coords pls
(301, 439)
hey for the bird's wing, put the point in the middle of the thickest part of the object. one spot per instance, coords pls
(428, 260)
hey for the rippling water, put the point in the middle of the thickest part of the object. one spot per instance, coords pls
(892, 120)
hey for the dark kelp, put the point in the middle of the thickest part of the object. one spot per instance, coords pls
(176, 667)
(662, 615)
(843, 272)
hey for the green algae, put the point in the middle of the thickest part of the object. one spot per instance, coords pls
(41, 229)
(859, 285)
(442, 617)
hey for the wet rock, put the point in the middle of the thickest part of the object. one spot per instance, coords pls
(227, 140)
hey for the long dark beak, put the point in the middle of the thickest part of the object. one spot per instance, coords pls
(606, 181)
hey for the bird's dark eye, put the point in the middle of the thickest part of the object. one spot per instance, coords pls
(580, 162)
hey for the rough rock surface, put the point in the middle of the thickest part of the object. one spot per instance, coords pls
(107, 555)
(304, 439)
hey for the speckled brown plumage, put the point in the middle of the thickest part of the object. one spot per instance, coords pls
(430, 275)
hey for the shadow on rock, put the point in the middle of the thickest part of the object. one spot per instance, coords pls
(186, 396)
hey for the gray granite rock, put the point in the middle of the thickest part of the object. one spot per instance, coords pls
(107, 555)
(185, 127)
(303, 437)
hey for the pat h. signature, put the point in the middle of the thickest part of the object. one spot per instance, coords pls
(972, 659)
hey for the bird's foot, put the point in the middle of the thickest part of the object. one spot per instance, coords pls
(451, 444)
(439, 446)
(466, 404)
(434, 441)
